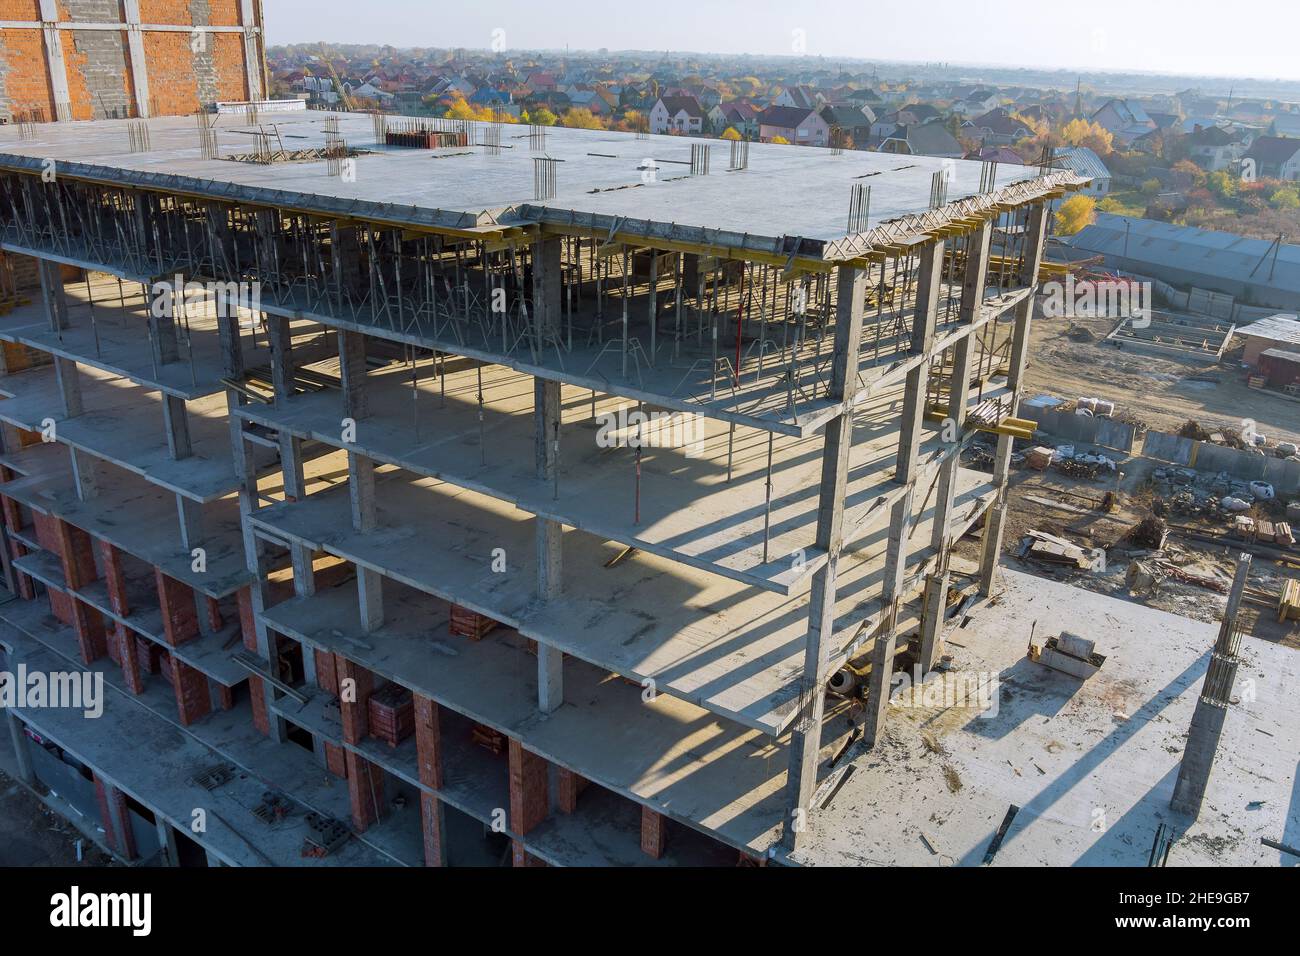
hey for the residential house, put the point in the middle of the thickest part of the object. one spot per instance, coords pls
(1002, 155)
(1082, 161)
(1285, 124)
(802, 126)
(1214, 148)
(799, 96)
(853, 123)
(677, 114)
(1275, 157)
(998, 127)
(974, 100)
(1125, 120)
(925, 139)
(737, 115)
(912, 115)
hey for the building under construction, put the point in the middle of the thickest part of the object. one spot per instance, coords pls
(450, 493)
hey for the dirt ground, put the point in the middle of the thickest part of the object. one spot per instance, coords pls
(1158, 391)
(33, 835)
(1070, 508)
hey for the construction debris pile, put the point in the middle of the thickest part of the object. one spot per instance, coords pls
(1217, 496)
(1067, 461)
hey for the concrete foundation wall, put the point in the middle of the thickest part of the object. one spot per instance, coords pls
(1093, 431)
(1283, 475)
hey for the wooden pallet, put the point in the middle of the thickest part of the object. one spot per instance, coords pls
(1288, 608)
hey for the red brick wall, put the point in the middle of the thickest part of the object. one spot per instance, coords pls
(180, 617)
(428, 741)
(191, 686)
(365, 790)
(173, 87)
(432, 825)
(529, 797)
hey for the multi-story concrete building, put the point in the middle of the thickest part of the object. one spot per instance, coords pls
(519, 515)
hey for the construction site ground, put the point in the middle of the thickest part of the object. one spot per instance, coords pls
(1051, 502)
(1067, 358)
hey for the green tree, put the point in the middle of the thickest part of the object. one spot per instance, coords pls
(1075, 213)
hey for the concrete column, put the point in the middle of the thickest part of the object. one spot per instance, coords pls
(190, 517)
(805, 743)
(934, 602)
(120, 818)
(252, 58)
(550, 536)
(52, 293)
(69, 381)
(361, 489)
(882, 656)
(352, 371)
(176, 422)
(167, 837)
(1212, 706)
(547, 263)
(26, 773)
(281, 341)
(135, 49)
(370, 596)
(928, 290)
(85, 471)
(54, 61)
(995, 521)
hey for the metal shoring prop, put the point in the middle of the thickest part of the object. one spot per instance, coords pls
(90, 302)
(189, 341)
(415, 395)
(626, 269)
(654, 303)
(677, 307)
(740, 318)
(153, 343)
(767, 511)
(555, 492)
(482, 448)
(731, 441)
(636, 517)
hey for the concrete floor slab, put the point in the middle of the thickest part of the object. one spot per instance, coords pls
(135, 516)
(601, 174)
(687, 511)
(123, 424)
(732, 649)
(1091, 764)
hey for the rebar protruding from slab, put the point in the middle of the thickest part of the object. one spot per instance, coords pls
(700, 159)
(988, 176)
(543, 178)
(536, 138)
(859, 208)
(137, 133)
(739, 154)
(938, 189)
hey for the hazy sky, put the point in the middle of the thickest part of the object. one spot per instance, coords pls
(1203, 37)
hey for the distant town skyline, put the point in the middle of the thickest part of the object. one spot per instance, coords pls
(1193, 37)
